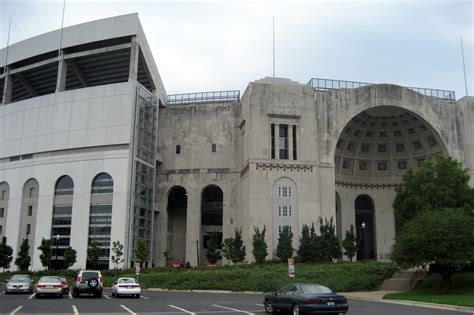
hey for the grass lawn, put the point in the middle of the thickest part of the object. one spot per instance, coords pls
(431, 290)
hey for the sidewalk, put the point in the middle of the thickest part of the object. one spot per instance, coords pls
(377, 296)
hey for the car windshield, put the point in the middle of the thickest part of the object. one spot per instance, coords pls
(20, 279)
(127, 280)
(314, 288)
(49, 279)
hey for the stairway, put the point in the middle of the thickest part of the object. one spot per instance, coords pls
(403, 281)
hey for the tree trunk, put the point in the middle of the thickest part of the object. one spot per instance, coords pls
(446, 275)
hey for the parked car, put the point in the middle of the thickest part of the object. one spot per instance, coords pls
(49, 285)
(305, 298)
(126, 286)
(65, 284)
(88, 281)
(19, 283)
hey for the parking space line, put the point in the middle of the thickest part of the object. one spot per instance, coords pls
(108, 298)
(181, 309)
(258, 304)
(233, 309)
(74, 308)
(16, 310)
(31, 296)
(3, 292)
(128, 310)
(144, 297)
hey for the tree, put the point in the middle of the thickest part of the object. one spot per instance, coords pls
(233, 249)
(259, 246)
(284, 248)
(329, 239)
(45, 256)
(117, 253)
(439, 183)
(212, 253)
(142, 251)
(350, 243)
(6, 253)
(70, 256)
(228, 248)
(443, 237)
(93, 254)
(23, 260)
(167, 254)
(307, 241)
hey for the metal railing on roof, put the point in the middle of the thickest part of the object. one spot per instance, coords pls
(324, 85)
(204, 97)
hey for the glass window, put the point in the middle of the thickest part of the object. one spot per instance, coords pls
(178, 149)
(283, 132)
(285, 211)
(272, 131)
(214, 147)
(28, 228)
(64, 186)
(30, 211)
(32, 191)
(102, 184)
(285, 191)
(294, 143)
(2, 212)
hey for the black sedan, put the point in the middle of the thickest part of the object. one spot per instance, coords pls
(305, 298)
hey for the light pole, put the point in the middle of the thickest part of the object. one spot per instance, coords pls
(57, 244)
(363, 239)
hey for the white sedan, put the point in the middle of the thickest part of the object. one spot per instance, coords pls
(126, 286)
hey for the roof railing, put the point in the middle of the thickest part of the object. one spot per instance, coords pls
(324, 85)
(204, 97)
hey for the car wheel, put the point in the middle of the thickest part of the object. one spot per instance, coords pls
(75, 294)
(93, 283)
(117, 295)
(137, 296)
(37, 296)
(113, 294)
(296, 309)
(269, 307)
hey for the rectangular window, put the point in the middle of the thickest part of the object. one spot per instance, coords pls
(285, 191)
(283, 132)
(3, 194)
(279, 191)
(279, 211)
(272, 131)
(294, 143)
(289, 211)
(2, 210)
(285, 211)
(32, 191)
(289, 191)
(178, 149)
(279, 229)
(28, 229)
(214, 147)
(30, 210)
(1, 229)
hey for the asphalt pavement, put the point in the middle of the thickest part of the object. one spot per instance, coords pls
(179, 303)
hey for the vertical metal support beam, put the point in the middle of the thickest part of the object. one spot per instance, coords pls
(7, 88)
(62, 74)
(134, 53)
(290, 142)
(277, 141)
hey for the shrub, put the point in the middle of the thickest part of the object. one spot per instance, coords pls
(285, 248)
(259, 245)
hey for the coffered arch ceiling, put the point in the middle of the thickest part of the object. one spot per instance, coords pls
(382, 143)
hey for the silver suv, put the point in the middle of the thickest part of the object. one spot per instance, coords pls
(88, 281)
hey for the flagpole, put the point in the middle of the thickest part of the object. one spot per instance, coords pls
(273, 46)
(8, 44)
(62, 28)
(464, 67)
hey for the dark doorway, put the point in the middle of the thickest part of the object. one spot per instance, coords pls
(177, 217)
(212, 206)
(364, 211)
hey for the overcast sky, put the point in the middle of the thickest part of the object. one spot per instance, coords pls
(206, 46)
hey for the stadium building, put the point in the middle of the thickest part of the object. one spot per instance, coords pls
(92, 149)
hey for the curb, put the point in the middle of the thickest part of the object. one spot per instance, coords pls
(205, 291)
(414, 303)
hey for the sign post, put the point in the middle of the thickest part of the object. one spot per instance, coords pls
(137, 268)
(291, 267)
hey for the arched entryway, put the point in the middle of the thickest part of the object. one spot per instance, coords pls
(212, 206)
(365, 227)
(177, 215)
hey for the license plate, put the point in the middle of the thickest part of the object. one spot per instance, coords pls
(331, 303)
(49, 286)
(129, 287)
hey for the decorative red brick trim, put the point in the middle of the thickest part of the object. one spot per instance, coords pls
(284, 167)
(366, 186)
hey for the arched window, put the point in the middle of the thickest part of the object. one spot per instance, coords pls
(64, 186)
(285, 209)
(102, 184)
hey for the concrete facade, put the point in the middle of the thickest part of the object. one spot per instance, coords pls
(282, 154)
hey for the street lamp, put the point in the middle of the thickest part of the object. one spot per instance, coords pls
(363, 239)
(57, 244)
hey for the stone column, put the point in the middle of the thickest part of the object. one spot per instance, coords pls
(134, 52)
(7, 88)
(277, 141)
(62, 74)
(193, 227)
(290, 142)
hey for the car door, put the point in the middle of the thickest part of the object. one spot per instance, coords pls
(279, 296)
(289, 297)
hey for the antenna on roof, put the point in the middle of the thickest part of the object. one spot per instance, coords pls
(8, 44)
(62, 27)
(273, 46)
(464, 67)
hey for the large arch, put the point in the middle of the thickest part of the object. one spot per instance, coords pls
(4, 200)
(373, 151)
(62, 219)
(100, 216)
(29, 210)
(177, 209)
(212, 211)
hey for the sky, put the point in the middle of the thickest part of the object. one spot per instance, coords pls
(212, 46)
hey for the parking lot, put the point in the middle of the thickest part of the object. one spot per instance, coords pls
(179, 303)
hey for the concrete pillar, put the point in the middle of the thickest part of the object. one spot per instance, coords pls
(277, 141)
(290, 142)
(7, 88)
(134, 52)
(62, 74)
(193, 227)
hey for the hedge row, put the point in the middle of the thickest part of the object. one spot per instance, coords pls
(340, 277)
